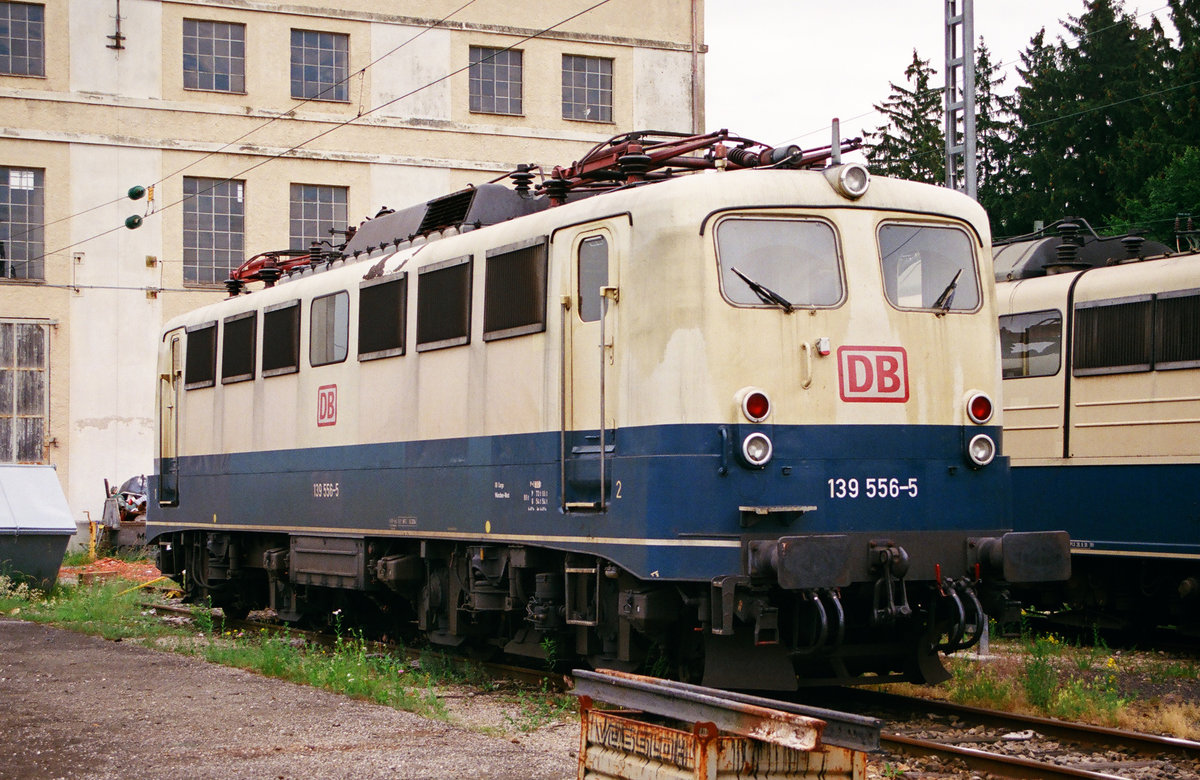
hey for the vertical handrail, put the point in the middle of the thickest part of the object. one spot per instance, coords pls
(603, 356)
(562, 404)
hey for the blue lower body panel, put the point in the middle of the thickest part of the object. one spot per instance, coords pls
(1133, 510)
(674, 496)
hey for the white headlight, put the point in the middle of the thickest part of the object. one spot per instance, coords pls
(756, 449)
(850, 180)
(981, 450)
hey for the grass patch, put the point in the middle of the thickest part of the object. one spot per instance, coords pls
(105, 609)
(979, 686)
(352, 666)
(540, 708)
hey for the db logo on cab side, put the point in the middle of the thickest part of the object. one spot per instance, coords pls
(326, 405)
(873, 374)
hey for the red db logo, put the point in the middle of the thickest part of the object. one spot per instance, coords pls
(873, 374)
(326, 405)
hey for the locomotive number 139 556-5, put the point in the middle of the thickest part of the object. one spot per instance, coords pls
(873, 487)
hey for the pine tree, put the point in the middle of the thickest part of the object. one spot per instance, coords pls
(910, 145)
(1032, 165)
(993, 138)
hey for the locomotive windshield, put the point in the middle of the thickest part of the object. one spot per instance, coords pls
(928, 267)
(778, 262)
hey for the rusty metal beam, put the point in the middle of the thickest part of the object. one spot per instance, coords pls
(781, 723)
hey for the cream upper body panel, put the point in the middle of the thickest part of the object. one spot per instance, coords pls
(678, 350)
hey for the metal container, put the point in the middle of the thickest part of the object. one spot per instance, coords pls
(35, 524)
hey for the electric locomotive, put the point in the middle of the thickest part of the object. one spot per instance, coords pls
(1100, 346)
(691, 403)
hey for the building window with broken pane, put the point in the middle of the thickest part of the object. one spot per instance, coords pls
(587, 88)
(23, 392)
(21, 221)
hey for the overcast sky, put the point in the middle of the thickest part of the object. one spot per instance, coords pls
(779, 70)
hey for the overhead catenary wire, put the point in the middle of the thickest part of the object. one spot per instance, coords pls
(287, 114)
(335, 127)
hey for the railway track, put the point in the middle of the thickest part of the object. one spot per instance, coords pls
(1020, 746)
(956, 737)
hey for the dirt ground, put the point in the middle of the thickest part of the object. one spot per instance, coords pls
(75, 706)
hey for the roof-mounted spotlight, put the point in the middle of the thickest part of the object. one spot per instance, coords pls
(850, 180)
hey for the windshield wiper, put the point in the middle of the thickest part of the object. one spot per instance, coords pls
(943, 300)
(764, 293)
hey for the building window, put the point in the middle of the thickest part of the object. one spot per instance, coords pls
(213, 228)
(214, 56)
(315, 210)
(23, 392)
(495, 81)
(22, 39)
(320, 65)
(586, 88)
(21, 221)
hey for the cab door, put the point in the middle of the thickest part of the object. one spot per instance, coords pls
(590, 315)
(170, 384)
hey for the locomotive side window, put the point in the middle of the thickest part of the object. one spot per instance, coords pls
(281, 339)
(444, 304)
(1114, 337)
(514, 290)
(328, 337)
(1177, 330)
(593, 274)
(1141, 333)
(779, 262)
(382, 316)
(201, 367)
(237, 347)
(928, 267)
(1030, 344)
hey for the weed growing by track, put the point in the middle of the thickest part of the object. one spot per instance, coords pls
(1047, 677)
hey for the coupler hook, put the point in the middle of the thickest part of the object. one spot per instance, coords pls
(891, 595)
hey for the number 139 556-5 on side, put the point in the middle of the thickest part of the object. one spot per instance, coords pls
(873, 487)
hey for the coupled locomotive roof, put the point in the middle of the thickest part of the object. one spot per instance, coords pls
(1040, 256)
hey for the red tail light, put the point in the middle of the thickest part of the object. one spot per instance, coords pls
(979, 408)
(756, 406)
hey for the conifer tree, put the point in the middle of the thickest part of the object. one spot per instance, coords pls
(910, 145)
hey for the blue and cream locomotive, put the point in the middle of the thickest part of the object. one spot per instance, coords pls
(1101, 362)
(689, 400)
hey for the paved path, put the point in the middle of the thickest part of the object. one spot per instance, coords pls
(75, 706)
